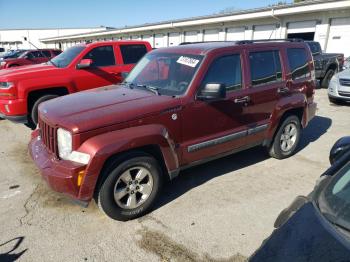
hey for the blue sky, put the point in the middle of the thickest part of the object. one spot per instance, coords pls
(86, 13)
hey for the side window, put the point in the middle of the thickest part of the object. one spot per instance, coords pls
(46, 53)
(132, 53)
(225, 70)
(37, 54)
(298, 63)
(101, 56)
(56, 52)
(265, 67)
(30, 55)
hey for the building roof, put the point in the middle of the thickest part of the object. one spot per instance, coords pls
(271, 11)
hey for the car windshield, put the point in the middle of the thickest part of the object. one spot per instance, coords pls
(166, 73)
(334, 200)
(65, 58)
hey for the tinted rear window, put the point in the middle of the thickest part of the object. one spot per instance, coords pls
(298, 63)
(225, 70)
(132, 53)
(265, 67)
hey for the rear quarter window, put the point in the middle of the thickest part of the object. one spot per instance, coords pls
(132, 53)
(298, 63)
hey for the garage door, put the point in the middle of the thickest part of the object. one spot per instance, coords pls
(135, 37)
(159, 41)
(191, 36)
(148, 38)
(234, 34)
(264, 32)
(174, 39)
(301, 27)
(211, 35)
(339, 36)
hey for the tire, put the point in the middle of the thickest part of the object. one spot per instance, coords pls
(280, 148)
(33, 121)
(115, 178)
(327, 78)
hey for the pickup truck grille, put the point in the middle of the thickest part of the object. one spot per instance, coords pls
(344, 82)
(49, 136)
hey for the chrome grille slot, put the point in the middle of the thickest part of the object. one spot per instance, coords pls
(344, 82)
(49, 136)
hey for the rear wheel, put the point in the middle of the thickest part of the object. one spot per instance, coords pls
(286, 139)
(327, 78)
(130, 187)
(33, 121)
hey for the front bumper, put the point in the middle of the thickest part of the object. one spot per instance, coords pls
(311, 111)
(60, 175)
(338, 92)
(14, 110)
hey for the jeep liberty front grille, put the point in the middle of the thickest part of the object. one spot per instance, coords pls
(49, 136)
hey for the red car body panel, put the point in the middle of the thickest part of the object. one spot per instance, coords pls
(119, 119)
(24, 59)
(27, 79)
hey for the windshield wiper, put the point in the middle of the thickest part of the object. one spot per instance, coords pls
(150, 88)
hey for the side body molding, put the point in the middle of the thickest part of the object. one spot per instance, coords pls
(103, 146)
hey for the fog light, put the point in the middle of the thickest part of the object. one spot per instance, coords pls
(80, 177)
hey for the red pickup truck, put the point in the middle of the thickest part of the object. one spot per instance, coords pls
(79, 68)
(179, 107)
(30, 57)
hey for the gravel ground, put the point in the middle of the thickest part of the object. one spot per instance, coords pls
(220, 211)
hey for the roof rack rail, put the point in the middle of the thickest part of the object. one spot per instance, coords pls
(242, 42)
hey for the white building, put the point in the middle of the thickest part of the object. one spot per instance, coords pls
(327, 22)
(15, 38)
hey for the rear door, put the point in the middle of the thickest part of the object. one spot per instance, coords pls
(104, 69)
(129, 55)
(266, 86)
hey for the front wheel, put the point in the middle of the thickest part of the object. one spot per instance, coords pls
(286, 139)
(130, 187)
(33, 121)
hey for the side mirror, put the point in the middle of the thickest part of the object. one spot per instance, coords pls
(84, 63)
(212, 91)
(340, 147)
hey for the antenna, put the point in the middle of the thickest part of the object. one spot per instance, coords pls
(41, 52)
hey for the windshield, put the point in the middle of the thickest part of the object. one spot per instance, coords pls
(334, 200)
(170, 74)
(65, 58)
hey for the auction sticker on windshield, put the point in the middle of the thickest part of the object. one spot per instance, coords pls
(185, 60)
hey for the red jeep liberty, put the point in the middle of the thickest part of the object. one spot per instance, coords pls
(79, 68)
(179, 107)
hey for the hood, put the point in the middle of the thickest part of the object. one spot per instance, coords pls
(306, 236)
(26, 72)
(344, 74)
(100, 107)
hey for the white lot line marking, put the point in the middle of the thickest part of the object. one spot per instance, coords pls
(11, 194)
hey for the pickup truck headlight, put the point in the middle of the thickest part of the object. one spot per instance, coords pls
(6, 85)
(2, 63)
(64, 143)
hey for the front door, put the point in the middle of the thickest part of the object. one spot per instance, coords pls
(213, 127)
(103, 71)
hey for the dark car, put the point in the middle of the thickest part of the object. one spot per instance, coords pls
(316, 227)
(326, 64)
(179, 107)
(29, 57)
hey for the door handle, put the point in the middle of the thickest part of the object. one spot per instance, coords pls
(283, 90)
(241, 100)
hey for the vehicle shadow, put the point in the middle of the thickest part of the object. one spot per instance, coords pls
(196, 176)
(316, 128)
(9, 256)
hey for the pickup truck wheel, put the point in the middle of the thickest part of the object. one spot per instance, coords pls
(34, 113)
(327, 78)
(130, 188)
(286, 139)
